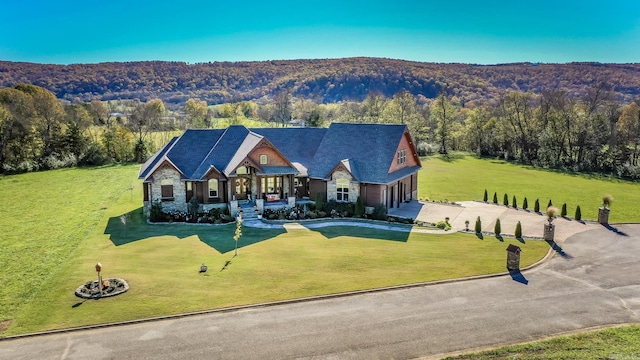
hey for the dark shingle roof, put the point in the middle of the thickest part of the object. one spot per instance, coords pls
(367, 150)
(370, 149)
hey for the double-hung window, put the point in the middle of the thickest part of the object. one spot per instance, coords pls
(342, 188)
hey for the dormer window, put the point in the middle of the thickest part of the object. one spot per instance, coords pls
(263, 159)
(402, 156)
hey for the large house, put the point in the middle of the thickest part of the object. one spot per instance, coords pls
(277, 166)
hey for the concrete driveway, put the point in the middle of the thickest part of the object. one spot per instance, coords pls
(532, 223)
(595, 283)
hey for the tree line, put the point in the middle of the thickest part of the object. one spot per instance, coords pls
(323, 80)
(592, 133)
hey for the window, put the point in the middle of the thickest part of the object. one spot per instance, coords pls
(263, 159)
(242, 170)
(342, 188)
(402, 156)
(213, 188)
(271, 185)
(166, 189)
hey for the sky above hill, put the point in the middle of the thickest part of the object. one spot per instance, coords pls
(463, 31)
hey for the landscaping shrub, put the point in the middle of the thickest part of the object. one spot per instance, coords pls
(193, 208)
(578, 215)
(94, 155)
(505, 200)
(486, 196)
(155, 213)
(379, 212)
(525, 204)
(320, 201)
(550, 203)
(514, 203)
(518, 232)
(536, 207)
(358, 210)
(478, 225)
(444, 225)
(496, 228)
(342, 209)
(563, 212)
(495, 198)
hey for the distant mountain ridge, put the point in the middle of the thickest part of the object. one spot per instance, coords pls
(324, 80)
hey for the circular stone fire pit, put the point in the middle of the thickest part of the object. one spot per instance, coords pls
(110, 287)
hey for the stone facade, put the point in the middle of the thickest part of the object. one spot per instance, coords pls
(179, 202)
(354, 187)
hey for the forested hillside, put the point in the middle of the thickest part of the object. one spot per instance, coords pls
(324, 81)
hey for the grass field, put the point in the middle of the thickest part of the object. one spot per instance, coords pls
(615, 343)
(53, 234)
(466, 178)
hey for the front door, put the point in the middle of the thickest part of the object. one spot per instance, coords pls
(243, 188)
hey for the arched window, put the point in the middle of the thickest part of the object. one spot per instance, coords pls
(263, 159)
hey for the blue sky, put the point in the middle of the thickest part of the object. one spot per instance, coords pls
(481, 32)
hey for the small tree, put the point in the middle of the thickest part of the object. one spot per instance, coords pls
(550, 203)
(536, 207)
(238, 233)
(563, 212)
(525, 204)
(578, 215)
(496, 228)
(486, 196)
(505, 200)
(495, 198)
(193, 207)
(478, 225)
(518, 230)
(155, 213)
(514, 203)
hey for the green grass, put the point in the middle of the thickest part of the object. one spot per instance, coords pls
(472, 176)
(56, 225)
(615, 343)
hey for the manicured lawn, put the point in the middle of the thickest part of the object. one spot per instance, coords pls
(615, 343)
(466, 177)
(55, 225)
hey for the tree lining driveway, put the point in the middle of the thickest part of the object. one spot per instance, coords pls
(532, 223)
(596, 285)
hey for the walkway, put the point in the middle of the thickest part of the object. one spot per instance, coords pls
(596, 285)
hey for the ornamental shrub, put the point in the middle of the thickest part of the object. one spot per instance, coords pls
(514, 203)
(319, 201)
(379, 212)
(359, 208)
(518, 230)
(536, 207)
(497, 229)
(486, 196)
(578, 213)
(495, 198)
(478, 225)
(525, 204)
(563, 212)
(505, 200)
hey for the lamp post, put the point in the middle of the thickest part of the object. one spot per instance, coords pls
(99, 269)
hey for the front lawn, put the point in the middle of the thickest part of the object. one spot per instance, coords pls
(161, 264)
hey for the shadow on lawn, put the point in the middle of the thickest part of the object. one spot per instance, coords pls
(331, 232)
(132, 226)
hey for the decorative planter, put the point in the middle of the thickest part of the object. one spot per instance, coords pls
(603, 215)
(549, 231)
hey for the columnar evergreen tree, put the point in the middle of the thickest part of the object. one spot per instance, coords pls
(497, 229)
(514, 203)
(525, 204)
(505, 200)
(563, 212)
(486, 196)
(478, 225)
(550, 203)
(578, 215)
(536, 207)
(518, 232)
(495, 198)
